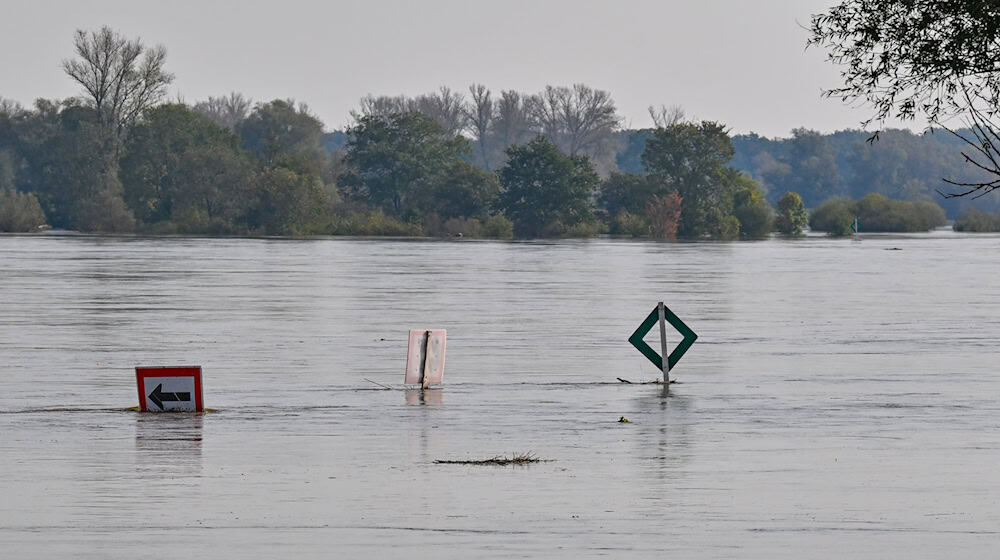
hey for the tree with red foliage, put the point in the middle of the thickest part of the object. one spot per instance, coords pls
(664, 215)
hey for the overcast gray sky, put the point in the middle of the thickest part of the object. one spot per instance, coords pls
(739, 62)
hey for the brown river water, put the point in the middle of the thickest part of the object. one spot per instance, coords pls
(842, 400)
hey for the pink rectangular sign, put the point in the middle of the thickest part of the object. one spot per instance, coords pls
(425, 357)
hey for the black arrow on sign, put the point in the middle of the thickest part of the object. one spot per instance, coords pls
(158, 397)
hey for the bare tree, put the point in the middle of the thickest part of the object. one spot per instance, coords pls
(982, 144)
(514, 123)
(479, 114)
(120, 77)
(227, 111)
(664, 117)
(447, 107)
(10, 108)
(382, 106)
(546, 112)
(578, 120)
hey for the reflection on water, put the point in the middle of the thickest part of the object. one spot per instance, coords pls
(168, 445)
(664, 434)
(424, 396)
(838, 398)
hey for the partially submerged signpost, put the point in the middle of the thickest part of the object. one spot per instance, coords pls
(425, 357)
(664, 364)
(169, 389)
(662, 314)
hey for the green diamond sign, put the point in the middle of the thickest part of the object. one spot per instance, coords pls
(651, 320)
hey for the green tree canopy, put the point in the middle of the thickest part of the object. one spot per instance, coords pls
(289, 203)
(19, 212)
(281, 134)
(177, 161)
(543, 188)
(755, 216)
(834, 216)
(64, 164)
(792, 215)
(629, 192)
(462, 191)
(813, 167)
(396, 160)
(691, 159)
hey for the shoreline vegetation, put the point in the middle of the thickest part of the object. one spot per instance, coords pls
(477, 164)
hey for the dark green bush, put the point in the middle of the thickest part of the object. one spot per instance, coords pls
(20, 212)
(792, 215)
(977, 221)
(372, 223)
(833, 216)
(876, 213)
(879, 213)
(756, 219)
(498, 227)
(626, 223)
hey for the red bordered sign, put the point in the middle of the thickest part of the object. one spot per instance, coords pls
(169, 389)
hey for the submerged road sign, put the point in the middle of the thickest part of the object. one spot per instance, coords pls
(653, 318)
(425, 357)
(169, 389)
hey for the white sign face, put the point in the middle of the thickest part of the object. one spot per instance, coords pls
(169, 389)
(425, 357)
(170, 393)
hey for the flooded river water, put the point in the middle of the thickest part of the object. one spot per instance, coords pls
(842, 400)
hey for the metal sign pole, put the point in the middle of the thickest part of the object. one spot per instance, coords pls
(663, 344)
(423, 366)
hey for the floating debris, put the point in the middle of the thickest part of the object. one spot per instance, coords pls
(515, 459)
(384, 387)
(652, 382)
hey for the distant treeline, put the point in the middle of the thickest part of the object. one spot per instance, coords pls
(850, 163)
(478, 164)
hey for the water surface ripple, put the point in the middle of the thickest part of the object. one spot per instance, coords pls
(842, 399)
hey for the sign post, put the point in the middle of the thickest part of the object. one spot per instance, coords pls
(665, 364)
(662, 314)
(169, 389)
